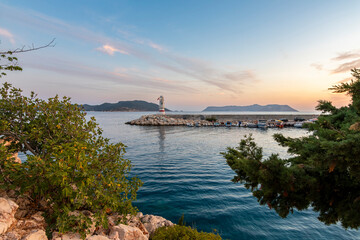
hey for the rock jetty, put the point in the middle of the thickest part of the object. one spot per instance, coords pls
(167, 120)
(209, 120)
(19, 221)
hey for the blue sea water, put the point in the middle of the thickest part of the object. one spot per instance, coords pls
(184, 173)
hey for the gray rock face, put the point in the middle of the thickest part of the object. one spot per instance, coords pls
(152, 223)
(125, 232)
(97, 237)
(36, 235)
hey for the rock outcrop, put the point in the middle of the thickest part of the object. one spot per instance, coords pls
(7, 214)
(152, 223)
(31, 226)
(20, 221)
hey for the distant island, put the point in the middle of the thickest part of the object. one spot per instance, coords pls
(124, 106)
(252, 108)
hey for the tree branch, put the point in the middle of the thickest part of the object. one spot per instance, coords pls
(32, 48)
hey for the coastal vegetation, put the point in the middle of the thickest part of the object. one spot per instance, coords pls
(179, 232)
(72, 175)
(69, 165)
(323, 171)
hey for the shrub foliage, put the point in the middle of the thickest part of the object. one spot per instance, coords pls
(323, 172)
(178, 232)
(69, 165)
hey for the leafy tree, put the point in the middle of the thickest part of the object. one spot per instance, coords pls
(11, 63)
(69, 166)
(8, 62)
(323, 171)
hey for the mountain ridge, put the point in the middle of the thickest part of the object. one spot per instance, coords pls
(124, 106)
(252, 108)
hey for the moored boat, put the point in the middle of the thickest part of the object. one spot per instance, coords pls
(251, 125)
(262, 124)
(299, 124)
(279, 124)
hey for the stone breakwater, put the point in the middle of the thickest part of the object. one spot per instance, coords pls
(166, 120)
(204, 120)
(18, 220)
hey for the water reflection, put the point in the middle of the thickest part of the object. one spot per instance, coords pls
(162, 136)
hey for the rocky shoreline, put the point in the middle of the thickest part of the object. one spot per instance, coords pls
(19, 221)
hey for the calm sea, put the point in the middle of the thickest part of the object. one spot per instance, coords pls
(184, 173)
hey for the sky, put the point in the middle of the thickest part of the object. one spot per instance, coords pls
(194, 53)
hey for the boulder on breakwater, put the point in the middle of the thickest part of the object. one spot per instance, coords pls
(166, 120)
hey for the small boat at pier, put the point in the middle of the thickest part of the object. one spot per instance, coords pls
(279, 124)
(262, 124)
(251, 125)
(299, 124)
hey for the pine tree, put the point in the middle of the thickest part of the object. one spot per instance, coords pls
(323, 172)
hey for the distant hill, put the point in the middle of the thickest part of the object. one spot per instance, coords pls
(124, 106)
(253, 108)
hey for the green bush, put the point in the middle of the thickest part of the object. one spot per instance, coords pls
(69, 165)
(211, 119)
(178, 232)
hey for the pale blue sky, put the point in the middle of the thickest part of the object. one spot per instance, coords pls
(195, 53)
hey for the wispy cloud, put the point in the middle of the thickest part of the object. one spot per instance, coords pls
(119, 76)
(347, 55)
(344, 80)
(133, 38)
(317, 66)
(346, 61)
(345, 67)
(110, 50)
(156, 46)
(194, 70)
(150, 43)
(5, 33)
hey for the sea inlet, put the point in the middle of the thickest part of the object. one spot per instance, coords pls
(184, 173)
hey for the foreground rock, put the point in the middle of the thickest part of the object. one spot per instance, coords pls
(7, 214)
(152, 223)
(31, 226)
